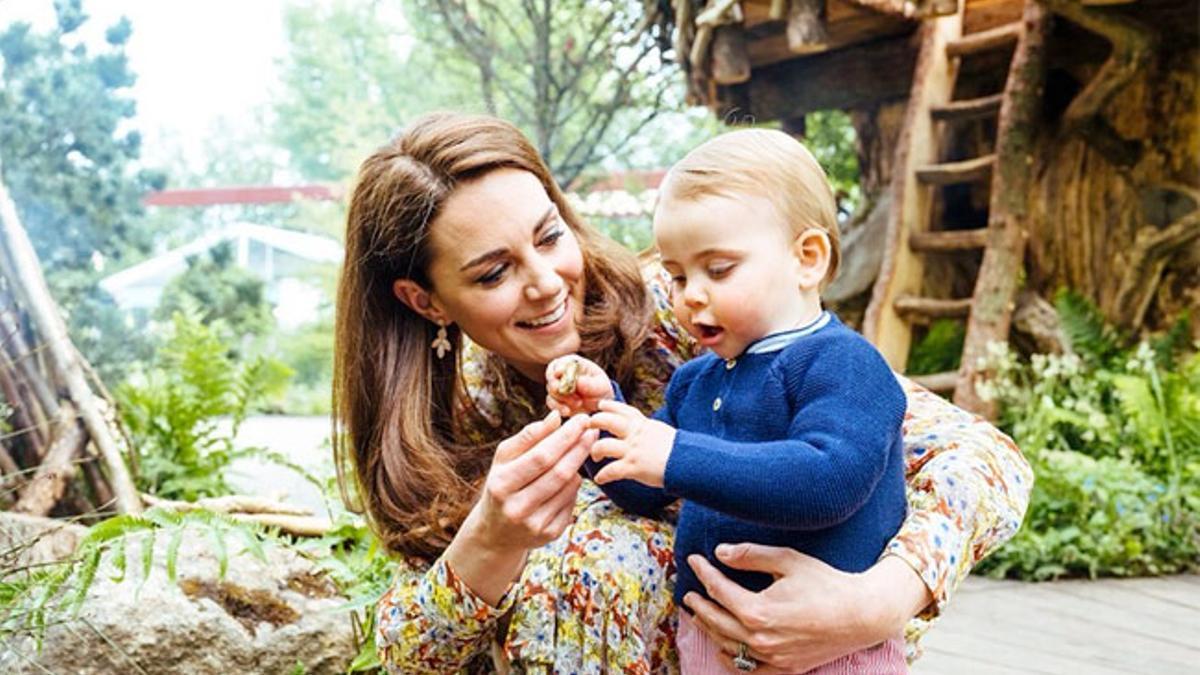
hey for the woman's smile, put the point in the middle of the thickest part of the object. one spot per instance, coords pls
(549, 320)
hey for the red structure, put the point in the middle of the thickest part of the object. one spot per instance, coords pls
(245, 194)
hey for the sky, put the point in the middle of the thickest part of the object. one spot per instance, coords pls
(196, 61)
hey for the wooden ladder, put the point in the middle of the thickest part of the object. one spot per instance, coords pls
(898, 300)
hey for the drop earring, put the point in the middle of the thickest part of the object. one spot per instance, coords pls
(441, 344)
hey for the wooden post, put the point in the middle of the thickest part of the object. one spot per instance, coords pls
(1003, 260)
(26, 278)
(730, 61)
(806, 31)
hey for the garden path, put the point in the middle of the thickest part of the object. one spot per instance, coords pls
(1106, 626)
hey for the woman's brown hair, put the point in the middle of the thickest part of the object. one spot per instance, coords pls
(393, 401)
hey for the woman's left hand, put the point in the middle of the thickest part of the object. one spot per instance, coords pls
(811, 614)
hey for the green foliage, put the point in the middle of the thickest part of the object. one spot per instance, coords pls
(173, 409)
(360, 567)
(573, 75)
(36, 597)
(829, 134)
(69, 155)
(222, 292)
(70, 161)
(309, 352)
(1113, 434)
(940, 350)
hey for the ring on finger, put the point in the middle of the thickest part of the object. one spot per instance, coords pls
(742, 660)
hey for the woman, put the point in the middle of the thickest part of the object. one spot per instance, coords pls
(508, 557)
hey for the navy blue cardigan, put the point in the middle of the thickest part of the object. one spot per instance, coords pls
(796, 442)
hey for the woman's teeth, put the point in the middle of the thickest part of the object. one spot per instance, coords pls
(547, 319)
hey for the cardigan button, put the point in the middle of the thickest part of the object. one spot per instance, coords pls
(717, 404)
(730, 364)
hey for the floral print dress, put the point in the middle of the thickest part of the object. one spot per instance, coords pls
(598, 599)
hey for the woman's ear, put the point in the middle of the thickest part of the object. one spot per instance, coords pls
(419, 300)
(813, 251)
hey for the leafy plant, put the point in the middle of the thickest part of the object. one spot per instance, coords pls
(361, 568)
(1112, 429)
(184, 410)
(35, 597)
(939, 350)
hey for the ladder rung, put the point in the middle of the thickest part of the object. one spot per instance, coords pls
(969, 109)
(932, 308)
(938, 383)
(950, 173)
(949, 240)
(994, 38)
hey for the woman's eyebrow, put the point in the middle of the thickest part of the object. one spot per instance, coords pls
(499, 252)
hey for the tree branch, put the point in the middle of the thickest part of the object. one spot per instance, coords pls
(1132, 48)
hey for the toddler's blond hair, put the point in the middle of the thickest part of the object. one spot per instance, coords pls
(763, 163)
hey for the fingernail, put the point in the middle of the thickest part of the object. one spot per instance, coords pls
(724, 551)
(688, 598)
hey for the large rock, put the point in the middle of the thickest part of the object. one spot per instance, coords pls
(276, 617)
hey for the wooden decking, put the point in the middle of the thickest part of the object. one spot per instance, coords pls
(1073, 627)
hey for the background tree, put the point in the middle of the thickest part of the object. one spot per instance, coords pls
(71, 165)
(582, 79)
(215, 289)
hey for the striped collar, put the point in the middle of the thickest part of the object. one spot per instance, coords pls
(777, 341)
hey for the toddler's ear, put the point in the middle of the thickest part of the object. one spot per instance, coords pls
(813, 250)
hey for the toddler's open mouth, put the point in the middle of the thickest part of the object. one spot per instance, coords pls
(708, 332)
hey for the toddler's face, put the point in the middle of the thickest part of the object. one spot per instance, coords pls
(735, 273)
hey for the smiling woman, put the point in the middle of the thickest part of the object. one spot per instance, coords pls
(509, 556)
(514, 281)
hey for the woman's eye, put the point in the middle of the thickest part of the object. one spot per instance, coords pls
(551, 237)
(493, 275)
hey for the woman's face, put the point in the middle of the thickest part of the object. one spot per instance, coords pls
(508, 270)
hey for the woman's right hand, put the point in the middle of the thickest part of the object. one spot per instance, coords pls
(527, 501)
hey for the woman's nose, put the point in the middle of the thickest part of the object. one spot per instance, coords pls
(544, 281)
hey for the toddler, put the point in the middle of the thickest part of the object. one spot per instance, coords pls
(787, 431)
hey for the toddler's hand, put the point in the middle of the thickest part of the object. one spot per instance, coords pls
(575, 384)
(639, 446)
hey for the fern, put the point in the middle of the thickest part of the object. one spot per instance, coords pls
(174, 407)
(940, 350)
(1089, 335)
(37, 598)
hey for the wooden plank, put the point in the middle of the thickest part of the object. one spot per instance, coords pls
(806, 31)
(1000, 37)
(918, 308)
(953, 173)
(730, 62)
(938, 383)
(948, 240)
(845, 26)
(901, 271)
(969, 109)
(841, 79)
(1127, 597)
(1068, 626)
(984, 14)
(1163, 590)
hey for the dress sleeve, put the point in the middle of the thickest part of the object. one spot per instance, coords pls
(430, 621)
(968, 487)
